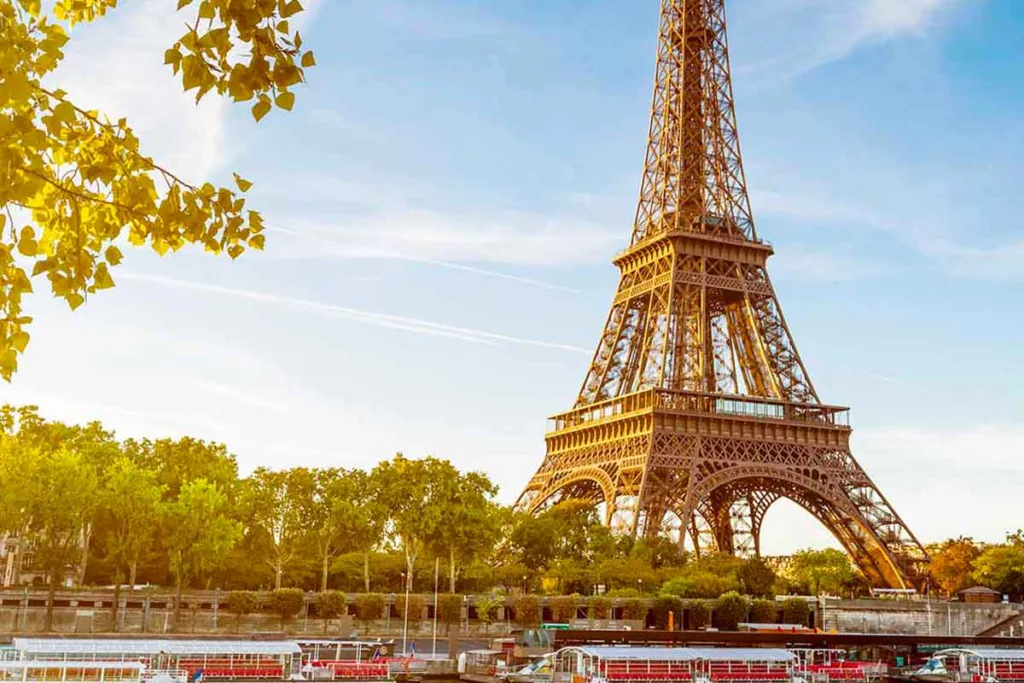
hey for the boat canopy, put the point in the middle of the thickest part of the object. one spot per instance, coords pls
(684, 654)
(989, 654)
(67, 646)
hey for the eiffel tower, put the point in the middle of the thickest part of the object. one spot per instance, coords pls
(697, 413)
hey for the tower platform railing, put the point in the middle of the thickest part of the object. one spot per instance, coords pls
(702, 403)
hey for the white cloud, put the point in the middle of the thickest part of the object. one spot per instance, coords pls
(518, 238)
(810, 265)
(789, 38)
(1001, 263)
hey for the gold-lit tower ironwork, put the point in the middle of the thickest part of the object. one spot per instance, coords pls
(697, 413)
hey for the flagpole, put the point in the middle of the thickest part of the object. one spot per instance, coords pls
(437, 569)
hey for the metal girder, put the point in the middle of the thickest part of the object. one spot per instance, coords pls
(697, 413)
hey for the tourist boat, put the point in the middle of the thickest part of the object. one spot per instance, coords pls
(85, 671)
(611, 664)
(959, 665)
(216, 659)
(358, 660)
(825, 666)
(540, 670)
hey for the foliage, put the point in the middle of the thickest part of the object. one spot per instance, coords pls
(449, 608)
(827, 570)
(285, 603)
(795, 611)
(563, 608)
(369, 607)
(242, 603)
(600, 607)
(413, 495)
(198, 532)
(329, 605)
(81, 185)
(51, 495)
(527, 610)
(416, 605)
(131, 500)
(470, 520)
(756, 577)
(663, 604)
(272, 509)
(633, 609)
(699, 613)
(764, 612)
(730, 610)
(487, 607)
(1001, 567)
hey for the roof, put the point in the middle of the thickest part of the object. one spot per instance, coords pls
(40, 664)
(678, 654)
(739, 654)
(987, 653)
(687, 654)
(42, 646)
(978, 590)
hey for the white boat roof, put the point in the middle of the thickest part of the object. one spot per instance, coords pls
(662, 654)
(986, 653)
(70, 664)
(67, 646)
(687, 654)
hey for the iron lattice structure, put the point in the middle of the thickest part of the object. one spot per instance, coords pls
(697, 413)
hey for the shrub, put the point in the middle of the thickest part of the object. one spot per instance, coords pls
(795, 611)
(242, 604)
(417, 603)
(487, 608)
(329, 605)
(285, 603)
(663, 604)
(563, 608)
(527, 609)
(730, 610)
(449, 608)
(764, 612)
(700, 614)
(623, 593)
(757, 577)
(633, 609)
(600, 607)
(369, 607)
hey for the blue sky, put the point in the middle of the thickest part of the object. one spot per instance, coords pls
(452, 185)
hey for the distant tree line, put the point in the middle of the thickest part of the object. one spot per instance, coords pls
(176, 513)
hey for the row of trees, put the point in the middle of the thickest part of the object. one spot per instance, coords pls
(960, 563)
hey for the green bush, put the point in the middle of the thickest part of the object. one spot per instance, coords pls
(764, 612)
(795, 611)
(600, 607)
(329, 605)
(242, 604)
(730, 610)
(563, 608)
(369, 607)
(633, 609)
(417, 603)
(699, 612)
(663, 604)
(527, 609)
(285, 603)
(757, 577)
(449, 608)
